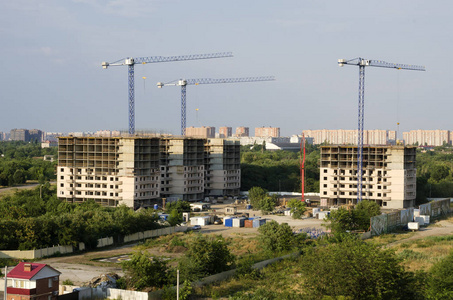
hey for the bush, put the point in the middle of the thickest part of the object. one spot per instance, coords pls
(440, 282)
(356, 270)
(206, 255)
(276, 238)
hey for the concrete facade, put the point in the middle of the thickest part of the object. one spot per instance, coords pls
(389, 175)
(242, 131)
(225, 132)
(137, 171)
(223, 167)
(182, 168)
(201, 132)
(111, 171)
(427, 137)
(349, 137)
(267, 132)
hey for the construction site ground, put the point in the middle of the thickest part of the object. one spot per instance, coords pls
(83, 267)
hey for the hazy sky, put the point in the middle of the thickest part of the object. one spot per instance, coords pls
(52, 79)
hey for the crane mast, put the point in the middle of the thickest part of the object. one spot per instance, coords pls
(131, 62)
(183, 83)
(362, 63)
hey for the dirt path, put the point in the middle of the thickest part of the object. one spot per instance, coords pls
(439, 228)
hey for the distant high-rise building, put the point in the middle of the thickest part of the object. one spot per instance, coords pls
(267, 132)
(427, 137)
(225, 132)
(19, 135)
(349, 137)
(201, 132)
(35, 135)
(242, 131)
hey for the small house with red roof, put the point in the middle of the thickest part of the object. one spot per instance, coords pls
(33, 281)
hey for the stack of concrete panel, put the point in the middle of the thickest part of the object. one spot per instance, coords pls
(420, 220)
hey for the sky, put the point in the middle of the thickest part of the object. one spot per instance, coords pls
(51, 76)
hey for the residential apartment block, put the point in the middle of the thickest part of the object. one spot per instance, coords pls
(389, 175)
(349, 137)
(267, 132)
(427, 137)
(139, 170)
(225, 132)
(201, 132)
(242, 131)
(26, 135)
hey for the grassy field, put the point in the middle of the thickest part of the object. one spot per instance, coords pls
(282, 280)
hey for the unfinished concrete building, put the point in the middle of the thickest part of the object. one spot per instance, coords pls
(182, 168)
(223, 169)
(389, 175)
(138, 171)
(111, 171)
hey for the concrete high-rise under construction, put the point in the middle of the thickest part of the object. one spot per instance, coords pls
(137, 171)
(389, 175)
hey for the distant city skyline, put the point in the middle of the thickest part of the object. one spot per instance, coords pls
(52, 79)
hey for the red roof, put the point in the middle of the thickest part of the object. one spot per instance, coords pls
(19, 272)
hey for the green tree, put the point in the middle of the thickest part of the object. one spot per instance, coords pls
(143, 271)
(342, 220)
(267, 204)
(256, 194)
(276, 238)
(355, 270)
(206, 255)
(440, 281)
(297, 208)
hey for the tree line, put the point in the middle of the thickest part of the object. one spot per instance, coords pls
(20, 161)
(279, 170)
(36, 218)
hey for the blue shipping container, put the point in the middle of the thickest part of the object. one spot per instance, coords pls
(229, 222)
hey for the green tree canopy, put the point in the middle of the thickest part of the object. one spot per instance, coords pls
(355, 270)
(276, 238)
(440, 281)
(143, 271)
(297, 208)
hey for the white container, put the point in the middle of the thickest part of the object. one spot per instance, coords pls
(323, 214)
(413, 225)
(238, 222)
(316, 210)
(416, 213)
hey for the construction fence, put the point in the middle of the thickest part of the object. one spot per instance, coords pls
(394, 221)
(103, 242)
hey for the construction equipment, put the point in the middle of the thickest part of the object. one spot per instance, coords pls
(362, 63)
(130, 62)
(183, 83)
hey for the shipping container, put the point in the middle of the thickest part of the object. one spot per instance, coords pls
(228, 222)
(248, 223)
(258, 223)
(238, 222)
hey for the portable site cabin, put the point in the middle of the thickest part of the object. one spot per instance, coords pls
(202, 221)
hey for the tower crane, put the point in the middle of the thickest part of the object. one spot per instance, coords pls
(362, 63)
(183, 83)
(130, 62)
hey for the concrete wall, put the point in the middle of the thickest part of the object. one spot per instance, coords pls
(107, 241)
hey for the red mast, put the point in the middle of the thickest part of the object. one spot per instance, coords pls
(302, 167)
